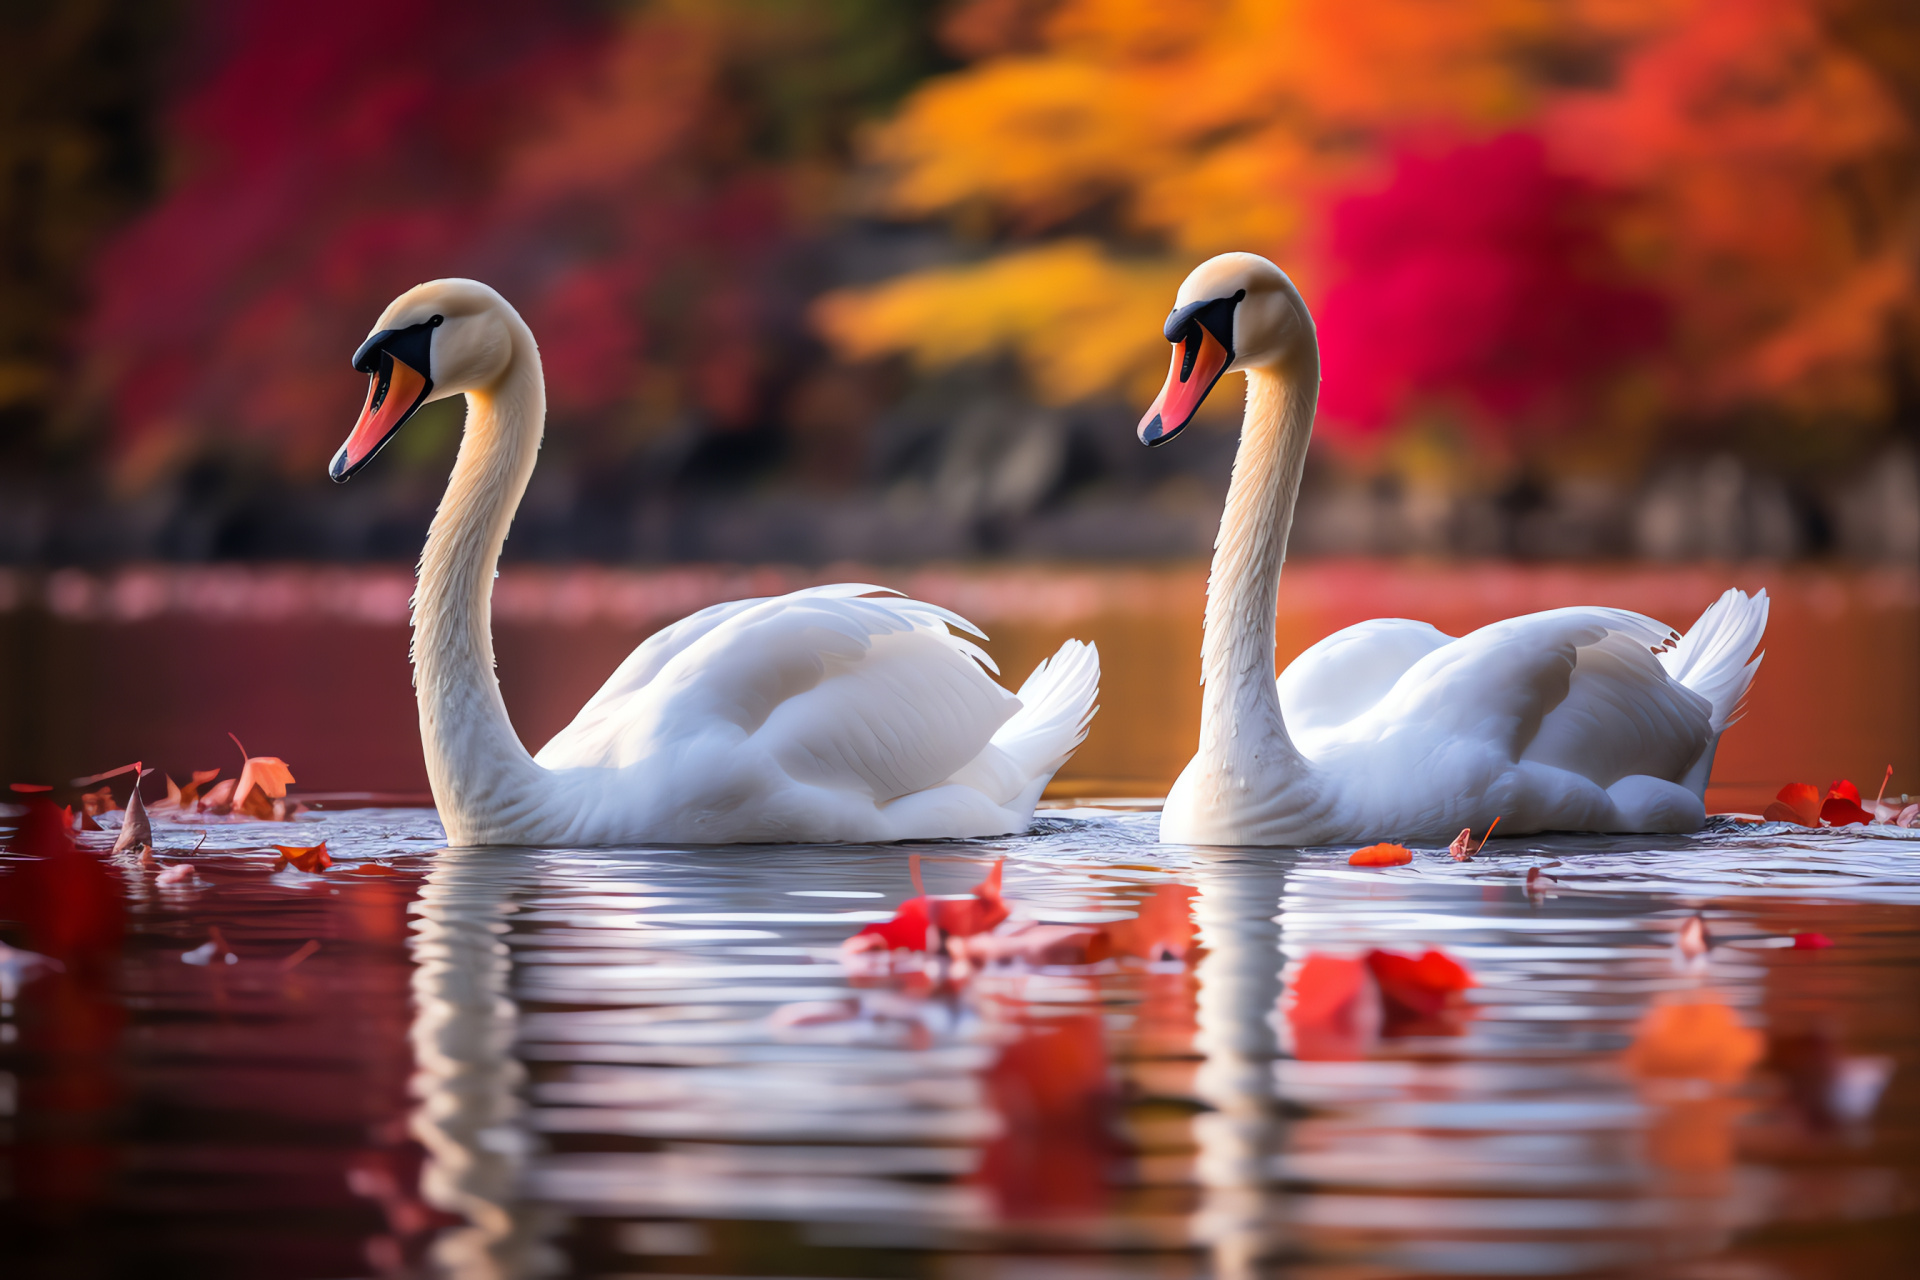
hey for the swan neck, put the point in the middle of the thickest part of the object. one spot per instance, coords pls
(479, 770)
(1240, 706)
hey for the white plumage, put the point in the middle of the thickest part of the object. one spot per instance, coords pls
(826, 715)
(1583, 719)
(823, 715)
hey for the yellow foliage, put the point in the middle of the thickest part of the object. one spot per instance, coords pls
(1079, 321)
(1209, 126)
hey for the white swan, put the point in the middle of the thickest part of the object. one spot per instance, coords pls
(1587, 719)
(824, 715)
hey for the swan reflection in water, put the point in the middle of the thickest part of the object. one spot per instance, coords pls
(471, 1115)
(1558, 1127)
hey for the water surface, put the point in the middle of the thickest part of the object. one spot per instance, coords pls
(655, 1062)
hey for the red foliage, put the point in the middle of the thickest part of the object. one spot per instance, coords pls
(334, 155)
(1481, 276)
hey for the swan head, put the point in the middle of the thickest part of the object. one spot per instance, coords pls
(1236, 311)
(436, 340)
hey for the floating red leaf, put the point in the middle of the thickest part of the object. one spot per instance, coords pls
(1811, 942)
(312, 860)
(1380, 855)
(1842, 811)
(1797, 802)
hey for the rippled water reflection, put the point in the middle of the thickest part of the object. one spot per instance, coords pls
(525, 1062)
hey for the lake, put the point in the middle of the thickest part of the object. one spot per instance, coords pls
(1689, 1057)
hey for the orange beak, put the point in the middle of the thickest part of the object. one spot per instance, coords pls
(1202, 337)
(399, 362)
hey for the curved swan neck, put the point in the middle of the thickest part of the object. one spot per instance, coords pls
(475, 762)
(1240, 706)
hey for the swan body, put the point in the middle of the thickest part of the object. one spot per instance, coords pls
(834, 714)
(1582, 719)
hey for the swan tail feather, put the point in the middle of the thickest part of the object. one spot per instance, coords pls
(1717, 659)
(1057, 704)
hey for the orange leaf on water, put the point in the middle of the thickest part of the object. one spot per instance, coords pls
(1380, 855)
(179, 797)
(1797, 802)
(312, 860)
(263, 779)
(219, 797)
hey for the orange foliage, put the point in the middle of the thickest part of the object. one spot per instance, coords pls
(1159, 134)
(1726, 107)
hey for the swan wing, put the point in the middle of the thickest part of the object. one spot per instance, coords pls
(1589, 672)
(840, 689)
(1344, 675)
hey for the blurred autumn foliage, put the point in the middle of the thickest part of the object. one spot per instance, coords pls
(921, 251)
(1520, 215)
(630, 178)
